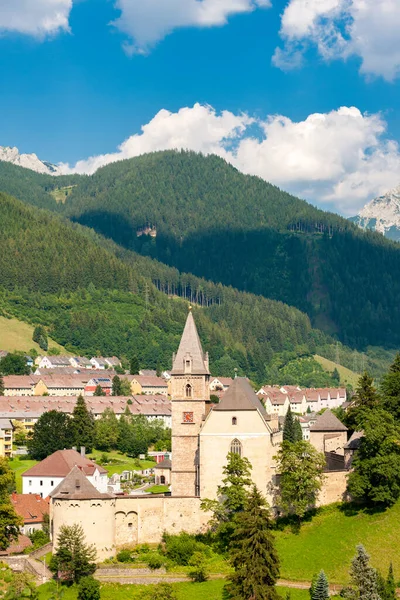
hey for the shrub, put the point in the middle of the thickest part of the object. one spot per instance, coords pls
(199, 572)
(143, 549)
(89, 589)
(124, 556)
(163, 591)
(180, 548)
(154, 561)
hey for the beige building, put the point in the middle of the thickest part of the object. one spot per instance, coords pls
(6, 438)
(153, 385)
(328, 434)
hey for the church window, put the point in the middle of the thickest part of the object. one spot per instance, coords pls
(188, 390)
(236, 447)
(234, 421)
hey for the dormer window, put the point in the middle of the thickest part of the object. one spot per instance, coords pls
(188, 391)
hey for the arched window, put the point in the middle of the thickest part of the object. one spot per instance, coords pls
(236, 447)
(188, 390)
(234, 421)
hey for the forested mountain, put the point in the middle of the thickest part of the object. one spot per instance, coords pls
(239, 230)
(96, 297)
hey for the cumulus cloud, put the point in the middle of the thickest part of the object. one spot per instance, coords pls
(341, 158)
(34, 17)
(342, 28)
(147, 22)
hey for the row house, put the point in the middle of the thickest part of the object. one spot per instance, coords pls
(220, 384)
(104, 382)
(53, 362)
(142, 384)
(110, 362)
(6, 438)
(301, 400)
(77, 362)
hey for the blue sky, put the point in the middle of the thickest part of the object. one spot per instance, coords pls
(81, 87)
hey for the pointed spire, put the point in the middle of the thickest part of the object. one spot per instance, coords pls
(190, 358)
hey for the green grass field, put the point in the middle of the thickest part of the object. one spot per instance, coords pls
(17, 335)
(329, 542)
(346, 375)
(61, 194)
(120, 462)
(19, 466)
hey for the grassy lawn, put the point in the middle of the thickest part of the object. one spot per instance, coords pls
(19, 466)
(158, 489)
(346, 375)
(329, 542)
(120, 462)
(17, 335)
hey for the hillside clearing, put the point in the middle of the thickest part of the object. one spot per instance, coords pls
(329, 542)
(346, 375)
(17, 335)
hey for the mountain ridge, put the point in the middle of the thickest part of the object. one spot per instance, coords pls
(382, 214)
(28, 161)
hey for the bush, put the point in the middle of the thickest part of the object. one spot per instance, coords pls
(89, 589)
(199, 573)
(143, 549)
(163, 591)
(124, 556)
(180, 548)
(154, 561)
(38, 539)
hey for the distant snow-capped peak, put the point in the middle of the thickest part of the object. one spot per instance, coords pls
(382, 214)
(29, 161)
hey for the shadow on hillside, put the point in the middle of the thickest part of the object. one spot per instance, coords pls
(294, 522)
(352, 509)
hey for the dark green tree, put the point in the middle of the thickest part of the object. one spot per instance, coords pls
(134, 365)
(298, 433)
(107, 431)
(98, 391)
(252, 553)
(89, 588)
(365, 399)
(52, 431)
(40, 337)
(1, 384)
(390, 388)
(390, 590)
(301, 468)
(116, 386)
(83, 425)
(10, 522)
(288, 427)
(73, 558)
(14, 364)
(336, 376)
(375, 478)
(320, 588)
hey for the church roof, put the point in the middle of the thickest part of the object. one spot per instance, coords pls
(76, 486)
(190, 345)
(240, 396)
(164, 464)
(328, 422)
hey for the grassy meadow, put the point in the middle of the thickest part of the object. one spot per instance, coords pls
(117, 462)
(19, 466)
(17, 335)
(346, 375)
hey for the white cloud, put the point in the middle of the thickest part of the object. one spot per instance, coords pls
(34, 17)
(342, 28)
(341, 158)
(148, 21)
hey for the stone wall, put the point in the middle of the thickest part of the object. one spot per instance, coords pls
(333, 488)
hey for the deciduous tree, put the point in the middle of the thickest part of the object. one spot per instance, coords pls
(10, 522)
(107, 431)
(89, 589)
(52, 431)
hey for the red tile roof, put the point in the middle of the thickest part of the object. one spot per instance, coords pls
(31, 507)
(60, 463)
(17, 547)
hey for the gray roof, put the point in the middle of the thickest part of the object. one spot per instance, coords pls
(190, 347)
(5, 424)
(240, 396)
(76, 486)
(328, 422)
(164, 464)
(355, 440)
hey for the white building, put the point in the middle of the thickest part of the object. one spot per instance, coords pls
(54, 362)
(43, 478)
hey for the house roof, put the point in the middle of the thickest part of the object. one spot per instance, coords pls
(31, 507)
(164, 464)
(240, 396)
(58, 360)
(75, 486)
(190, 345)
(328, 422)
(18, 381)
(60, 463)
(5, 424)
(17, 547)
(151, 381)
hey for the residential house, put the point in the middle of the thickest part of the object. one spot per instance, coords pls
(99, 363)
(80, 362)
(54, 362)
(6, 438)
(141, 384)
(276, 402)
(328, 434)
(44, 477)
(112, 362)
(33, 509)
(298, 403)
(104, 382)
(19, 385)
(306, 421)
(220, 384)
(63, 385)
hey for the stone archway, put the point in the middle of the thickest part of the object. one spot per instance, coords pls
(126, 528)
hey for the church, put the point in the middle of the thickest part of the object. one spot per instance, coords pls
(202, 436)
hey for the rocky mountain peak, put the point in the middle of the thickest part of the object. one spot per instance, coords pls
(382, 214)
(28, 161)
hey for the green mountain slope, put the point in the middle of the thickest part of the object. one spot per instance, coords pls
(96, 297)
(235, 229)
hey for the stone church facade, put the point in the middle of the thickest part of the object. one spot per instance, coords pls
(202, 436)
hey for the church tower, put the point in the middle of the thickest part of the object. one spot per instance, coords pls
(190, 378)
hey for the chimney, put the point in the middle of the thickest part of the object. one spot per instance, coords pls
(83, 451)
(74, 448)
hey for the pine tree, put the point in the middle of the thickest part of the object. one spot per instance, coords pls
(364, 580)
(98, 391)
(297, 431)
(288, 427)
(134, 365)
(73, 558)
(366, 399)
(1, 384)
(390, 387)
(116, 386)
(83, 425)
(252, 553)
(321, 587)
(390, 585)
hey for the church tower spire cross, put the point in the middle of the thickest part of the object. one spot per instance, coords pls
(190, 378)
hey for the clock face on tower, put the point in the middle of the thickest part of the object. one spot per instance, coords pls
(188, 417)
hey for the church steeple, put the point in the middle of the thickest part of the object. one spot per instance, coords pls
(190, 358)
